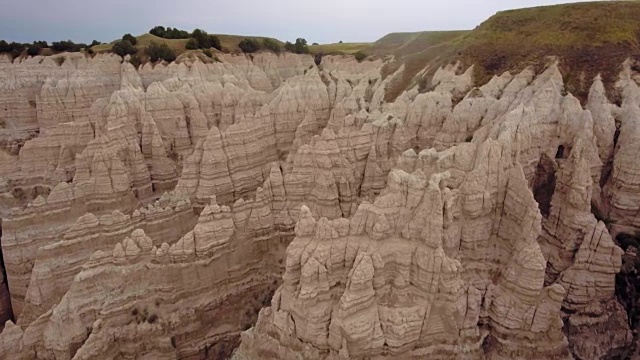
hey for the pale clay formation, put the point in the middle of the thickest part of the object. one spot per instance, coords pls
(404, 230)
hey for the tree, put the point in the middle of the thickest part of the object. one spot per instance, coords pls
(33, 50)
(4, 46)
(315, 43)
(249, 45)
(67, 45)
(202, 39)
(214, 41)
(158, 31)
(42, 43)
(130, 38)
(123, 48)
(162, 51)
(175, 33)
(16, 48)
(95, 43)
(300, 47)
(272, 45)
(192, 44)
(206, 41)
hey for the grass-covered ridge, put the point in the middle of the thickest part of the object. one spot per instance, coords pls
(229, 42)
(417, 51)
(587, 38)
(338, 48)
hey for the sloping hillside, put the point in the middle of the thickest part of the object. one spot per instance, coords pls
(586, 38)
(417, 52)
(338, 48)
(229, 42)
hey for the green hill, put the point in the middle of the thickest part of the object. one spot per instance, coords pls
(587, 38)
(416, 51)
(338, 48)
(229, 42)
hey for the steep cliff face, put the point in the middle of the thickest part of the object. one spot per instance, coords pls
(153, 212)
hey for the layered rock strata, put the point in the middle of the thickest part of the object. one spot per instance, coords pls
(143, 208)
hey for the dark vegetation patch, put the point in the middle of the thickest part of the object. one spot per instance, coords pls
(249, 45)
(628, 281)
(299, 47)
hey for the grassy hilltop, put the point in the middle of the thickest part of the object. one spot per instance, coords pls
(229, 42)
(586, 37)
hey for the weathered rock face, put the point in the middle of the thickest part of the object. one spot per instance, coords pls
(390, 281)
(146, 212)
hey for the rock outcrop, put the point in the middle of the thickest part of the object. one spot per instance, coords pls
(152, 212)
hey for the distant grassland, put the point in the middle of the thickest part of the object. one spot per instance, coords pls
(338, 48)
(228, 42)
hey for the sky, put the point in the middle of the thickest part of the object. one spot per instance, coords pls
(322, 21)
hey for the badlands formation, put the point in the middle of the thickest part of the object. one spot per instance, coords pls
(267, 208)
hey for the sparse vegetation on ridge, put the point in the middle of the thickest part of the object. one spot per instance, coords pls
(225, 43)
(299, 47)
(587, 38)
(158, 52)
(338, 48)
(249, 45)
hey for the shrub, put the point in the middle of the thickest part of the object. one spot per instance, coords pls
(170, 33)
(360, 56)
(207, 52)
(4, 46)
(315, 43)
(135, 61)
(158, 31)
(192, 44)
(68, 45)
(272, 45)
(318, 58)
(214, 41)
(130, 38)
(94, 43)
(16, 48)
(123, 48)
(249, 45)
(162, 51)
(300, 47)
(34, 49)
(152, 318)
(204, 40)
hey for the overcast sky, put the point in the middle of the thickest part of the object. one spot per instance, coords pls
(322, 21)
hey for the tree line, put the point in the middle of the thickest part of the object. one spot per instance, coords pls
(36, 47)
(127, 45)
